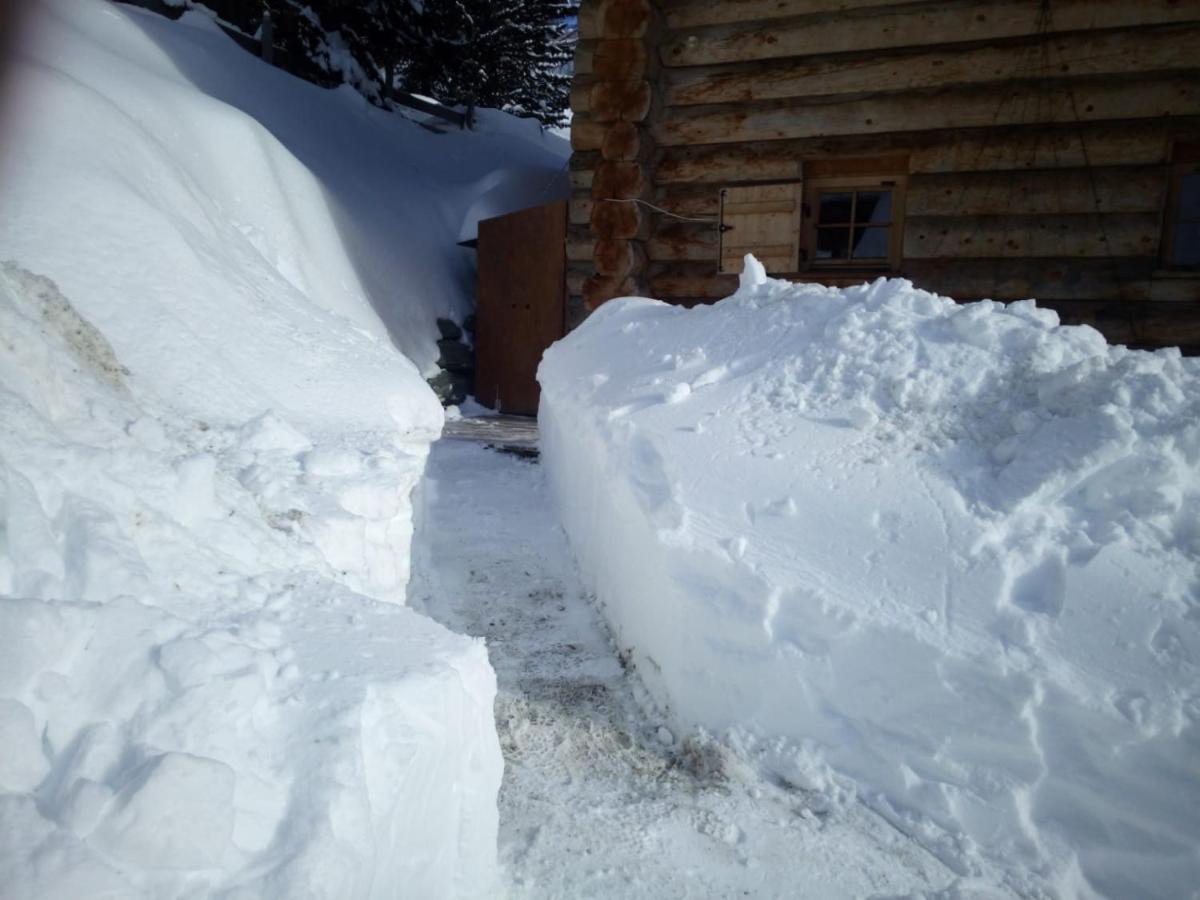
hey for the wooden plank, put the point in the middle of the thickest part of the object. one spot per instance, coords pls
(972, 108)
(940, 237)
(1070, 191)
(1066, 145)
(1066, 56)
(952, 21)
(680, 14)
(763, 220)
(521, 303)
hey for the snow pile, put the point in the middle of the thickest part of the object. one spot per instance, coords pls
(208, 681)
(178, 159)
(942, 558)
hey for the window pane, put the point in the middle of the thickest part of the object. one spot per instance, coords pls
(835, 208)
(833, 243)
(871, 243)
(1186, 251)
(873, 206)
(1189, 197)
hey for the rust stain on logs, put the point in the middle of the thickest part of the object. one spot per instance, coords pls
(586, 134)
(625, 18)
(622, 141)
(619, 60)
(618, 258)
(619, 179)
(616, 220)
(611, 101)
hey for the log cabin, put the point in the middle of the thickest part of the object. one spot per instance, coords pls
(998, 149)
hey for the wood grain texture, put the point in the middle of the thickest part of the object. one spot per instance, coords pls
(941, 237)
(1065, 56)
(953, 21)
(1151, 98)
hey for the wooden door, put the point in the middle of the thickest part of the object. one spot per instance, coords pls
(521, 303)
(763, 220)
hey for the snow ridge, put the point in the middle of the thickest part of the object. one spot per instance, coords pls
(951, 550)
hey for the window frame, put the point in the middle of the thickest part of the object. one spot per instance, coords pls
(1188, 165)
(829, 184)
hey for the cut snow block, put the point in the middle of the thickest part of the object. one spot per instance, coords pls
(948, 551)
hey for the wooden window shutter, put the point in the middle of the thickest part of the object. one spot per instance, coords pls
(763, 219)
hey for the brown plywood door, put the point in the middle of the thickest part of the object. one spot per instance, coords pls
(521, 303)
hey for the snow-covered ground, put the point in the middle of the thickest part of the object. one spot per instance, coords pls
(208, 681)
(600, 799)
(942, 559)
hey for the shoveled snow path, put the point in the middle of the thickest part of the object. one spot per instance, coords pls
(596, 800)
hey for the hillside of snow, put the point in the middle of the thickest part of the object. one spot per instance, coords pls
(209, 682)
(941, 559)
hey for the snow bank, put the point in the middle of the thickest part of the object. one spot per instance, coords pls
(183, 167)
(944, 558)
(208, 681)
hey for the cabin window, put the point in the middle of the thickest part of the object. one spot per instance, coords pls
(1181, 242)
(854, 223)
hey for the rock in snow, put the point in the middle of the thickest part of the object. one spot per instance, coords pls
(949, 554)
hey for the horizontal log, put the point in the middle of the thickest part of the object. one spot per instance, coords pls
(948, 22)
(1050, 279)
(972, 108)
(680, 14)
(1148, 324)
(577, 273)
(1071, 191)
(1052, 147)
(579, 209)
(1066, 56)
(683, 241)
(579, 243)
(940, 237)
(585, 54)
(1045, 279)
(1030, 147)
(581, 179)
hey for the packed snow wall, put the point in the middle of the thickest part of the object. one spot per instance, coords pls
(209, 684)
(942, 558)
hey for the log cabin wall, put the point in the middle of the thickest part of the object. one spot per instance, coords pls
(1031, 145)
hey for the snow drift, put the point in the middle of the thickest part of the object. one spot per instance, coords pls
(945, 558)
(209, 684)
